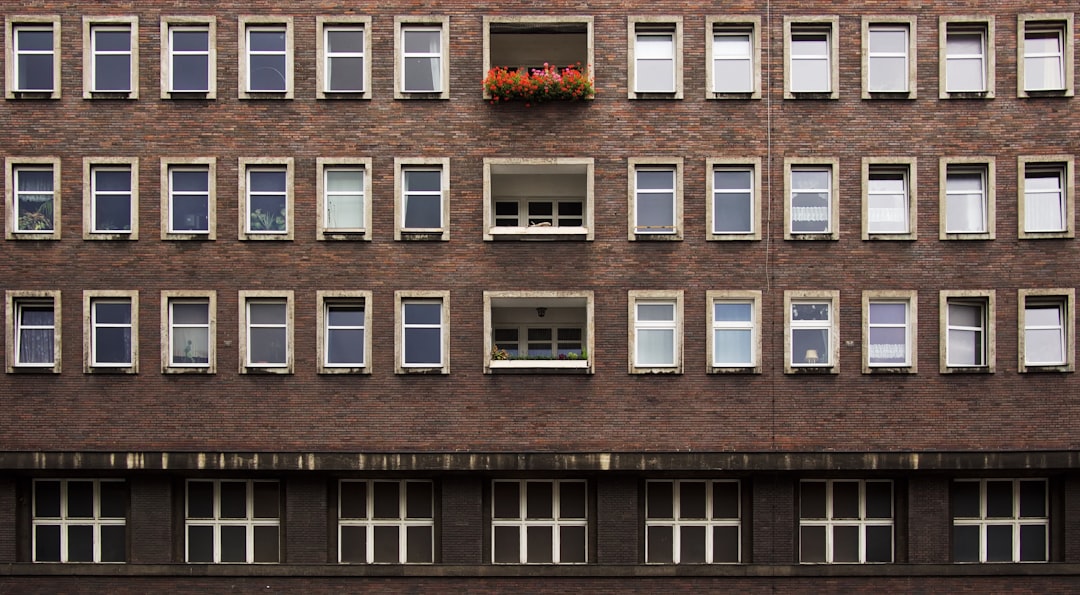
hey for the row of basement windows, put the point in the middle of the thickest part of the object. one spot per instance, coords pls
(549, 198)
(529, 332)
(966, 45)
(686, 521)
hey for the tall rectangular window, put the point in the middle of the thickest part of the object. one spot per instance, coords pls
(655, 331)
(1000, 520)
(344, 59)
(422, 321)
(113, 58)
(1044, 198)
(344, 198)
(967, 332)
(267, 200)
(189, 332)
(112, 199)
(734, 334)
(887, 58)
(966, 49)
(967, 198)
(266, 57)
(1046, 326)
(33, 330)
(232, 521)
(732, 61)
(811, 47)
(422, 199)
(812, 330)
(539, 522)
(35, 60)
(345, 330)
(112, 323)
(189, 59)
(80, 520)
(386, 522)
(888, 330)
(845, 521)
(1044, 57)
(887, 200)
(692, 522)
(35, 198)
(189, 199)
(267, 332)
(655, 54)
(655, 200)
(733, 201)
(422, 67)
(811, 201)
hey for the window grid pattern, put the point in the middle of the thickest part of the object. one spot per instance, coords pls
(35, 199)
(112, 199)
(189, 199)
(1044, 57)
(267, 59)
(693, 522)
(189, 332)
(887, 196)
(267, 201)
(345, 333)
(733, 59)
(79, 520)
(654, 209)
(654, 58)
(846, 521)
(189, 59)
(811, 201)
(1045, 332)
(539, 522)
(232, 521)
(734, 333)
(35, 58)
(1000, 520)
(1044, 199)
(421, 59)
(967, 333)
(422, 331)
(344, 199)
(112, 58)
(35, 332)
(386, 522)
(965, 58)
(267, 333)
(889, 333)
(112, 325)
(810, 60)
(811, 333)
(887, 58)
(344, 60)
(655, 334)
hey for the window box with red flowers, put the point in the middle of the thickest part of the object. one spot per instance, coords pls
(537, 85)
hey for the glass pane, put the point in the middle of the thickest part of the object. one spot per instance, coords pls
(345, 180)
(655, 76)
(507, 545)
(47, 543)
(113, 499)
(345, 211)
(35, 71)
(423, 212)
(539, 500)
(423, 180)
(112, 212)
(1032, 543)
(233, 544)
(999, 499)
(810, 76)
(845, 500)
(732, 347)
(1044, 346)
(267, 73)
(200, 502)
(113, 543)
(30, 40)
(345, 40)
(423, 346)
(268, 346)
(112, 72)
(190, 40)
(190, 73)
(725, 500)
(812, 500)
(354, 545)
(732, 76)
(692, 496)
(422, 75)
(266, 40)
(885, 313)
(266, 181)
(112, 346)
(47, 499)
(878, 500)
(419, 545)
(200, 544)
(423, 313)
(266, 544)
(965, 213)
(965, 543)
(692, 545)
(965, 500)
(80, 543)
(190, 313)
(265, 494)
(386, 500)
(112, 312)
(812, 544)
(346, 74)
(267, 313)
(999, 543)
(888, 346)
(418, 500)
(655, 347)
(190, 213)
(656, 312)
(879, 544)
(80, 502)
(353, 500)
(1033, 499)
(190, 345)
(420, 41)
(810, 346)
(725, 544)
(572, 545)
(233, 500)
(572, 500)
(845, 544)
(660, 545)
(387, 545)
(539, 545)
(507, 500)
(888, 74)
(659, 500)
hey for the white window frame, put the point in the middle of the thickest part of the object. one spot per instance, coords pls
(170, 165)
(323, 230)
(830, 523)
(403, 24)
(638, 298)
(812, 25)
(91, 165)
(245, 166)
(669, 27)
(285, 298)
(522, 523)
(832, 326)
(401, 298)
(90, 326)
(403, 165)
(250, 522)
(678, 522)
(190, 23)
(64, 522)
(170, 298)
(247, 24)
(799, 164)
(1064, 300)
(12, 25)
(910, 301)
(890, 166)
(749, 297)
(741, 25)
(982, 25)
(1063, 167)
(985, 300)
(11, 197)
(1060, 23)
(908, 24)
(1016, 522)
(751, 165)
(369, 523)
(326, 300)
(13, 304)
(90, 26)
(968, 165)
(655, 164)
(324, 26)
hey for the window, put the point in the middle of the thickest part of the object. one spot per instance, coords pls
(692, 522)
(538, 332)
(966, 46)
(967, 331)
(845, 521)
(386, 522)
(811, 69)
(812, 208)
(344, 196)
(1045, 55)
(733, 211)
(422, 209)
(889, 57)
(343, 46)
(266, 186)
(889, 210)
(111, 198)
(733, 68)
(189, 199)
(80, 520)
(344, 323)
(33, 56)
(422, 326)
(111, 322)
(33, 331)
(1000, 520)
(655, 57)
(539, 522)
(110, 57)
(812, 335)
(32, 197)
(266, 57)
(230, 521)
(529, 42)
(889, 331)
(188, 57)
(734, 335)
(421, 69)
(655, 332)
(655, 199)
(191, 320)
(266, 332)
(1046, 330)
(548, 198)
(967, 198)
(1046, 196)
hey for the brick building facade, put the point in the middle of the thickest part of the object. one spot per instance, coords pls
(291, 300)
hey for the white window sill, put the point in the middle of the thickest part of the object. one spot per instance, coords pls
(540, 366)
(538, 233)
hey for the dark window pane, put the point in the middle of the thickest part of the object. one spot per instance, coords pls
(113, 499)
(112, 73)
(418, 500)
(879, 544)
(112, 312)
(812, 544)
(726, 500)
(80, 503)
(268, 345)
(265, 494)
(354, 545)
(386, 545)
(267, 40)
(266, 544)
(112, 345)
(659, 500)
(190, 41)
(1032, 543)
(113, 543)
(692, 545)
(190, 73)
(845, 544)
(965, 499)
(539, 500)
(812, 500)
(572, 500)
(385, 494)
(965, 543)
(999, 499)
(507, 545)
(267, 73)
(112, 40)
(539, 542)
(233, 499)
(418, 545)
(999, 543)
(845, 500)
(47, 499)
(1033, 499)
(423, 211)
(47, 543)
(507, 500)
(572, 545)
(660, 545)
(267, 180)
(692, 499)
(725, 544)
(233, 544)
(353, 500)
(35, 72)
(200, 544)
(346, 73)
(200, 500)
(80, 543)
(423, 346)
(879, 500)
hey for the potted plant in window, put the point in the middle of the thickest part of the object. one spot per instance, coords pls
(267, 221)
